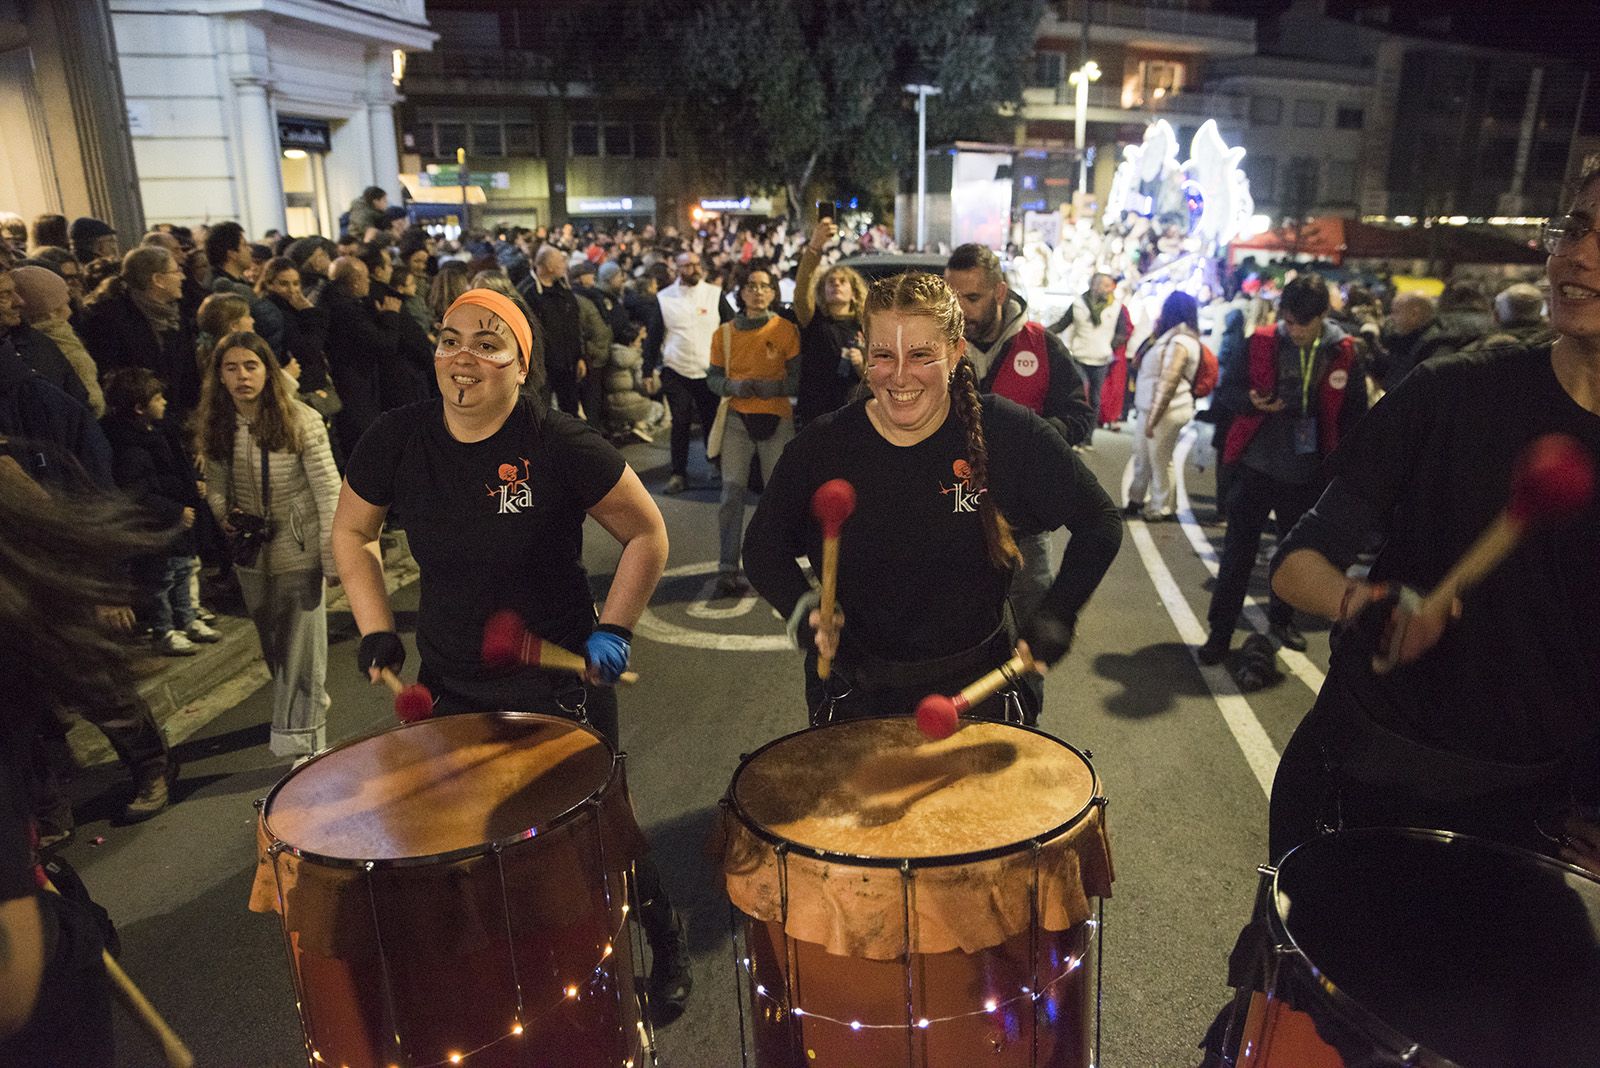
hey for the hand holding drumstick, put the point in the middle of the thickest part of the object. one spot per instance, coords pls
(939, 716)
(831, 504)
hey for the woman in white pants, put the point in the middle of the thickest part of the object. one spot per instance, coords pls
(250, 423)
(1164, 400)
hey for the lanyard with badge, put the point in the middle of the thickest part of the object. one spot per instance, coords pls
(1305, 425)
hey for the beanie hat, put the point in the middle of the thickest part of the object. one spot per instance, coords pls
(609, 270)
(41, 289)
(579, 270)
(87, 229)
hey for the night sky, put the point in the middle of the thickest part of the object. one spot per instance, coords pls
(1568, 28)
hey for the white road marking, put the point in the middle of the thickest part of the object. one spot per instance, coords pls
(1298, 664)
(657, 629)
(1251, 737)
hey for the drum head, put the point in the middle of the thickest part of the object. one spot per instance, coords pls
(445, 786)
(1482, 954)
(878, 788)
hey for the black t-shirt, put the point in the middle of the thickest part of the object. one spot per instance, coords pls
(16, 850)
(1517, 678)
(493, 524)
(915, 581)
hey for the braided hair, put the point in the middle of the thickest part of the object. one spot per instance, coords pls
(918, 293)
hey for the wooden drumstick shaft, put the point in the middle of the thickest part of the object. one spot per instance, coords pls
(177, 1054)
(830, 585)
(391, 680)
(554, 657)
(1485, 554)
(988, 685)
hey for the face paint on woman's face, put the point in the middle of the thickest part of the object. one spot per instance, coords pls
(908, 369)
(477, 359)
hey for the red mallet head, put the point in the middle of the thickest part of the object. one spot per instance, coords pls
(413, 703)
(832, 504)
(936, 716)
(505, 641)
(1553, 480)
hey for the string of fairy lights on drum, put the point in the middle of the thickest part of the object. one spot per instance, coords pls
(569, 992)
(989, 1007)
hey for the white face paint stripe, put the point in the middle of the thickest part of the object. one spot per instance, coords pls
(899, 350)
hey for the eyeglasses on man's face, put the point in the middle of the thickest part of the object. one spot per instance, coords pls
(759, 287)
(1562, 235)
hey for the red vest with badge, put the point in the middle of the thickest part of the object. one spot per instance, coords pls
(1337, 377)
(1023, 374)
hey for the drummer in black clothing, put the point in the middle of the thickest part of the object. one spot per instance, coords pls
(495, 490)
(1491, 725)
(940, 474)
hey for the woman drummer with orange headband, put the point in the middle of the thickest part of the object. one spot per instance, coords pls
(494, 489)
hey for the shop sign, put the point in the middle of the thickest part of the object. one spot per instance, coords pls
(611, 206)
(313, 135)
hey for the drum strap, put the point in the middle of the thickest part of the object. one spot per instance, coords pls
(875, 673)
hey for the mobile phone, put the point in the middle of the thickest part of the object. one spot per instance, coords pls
(826, 209)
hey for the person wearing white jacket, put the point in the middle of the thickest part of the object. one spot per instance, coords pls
(249, 417)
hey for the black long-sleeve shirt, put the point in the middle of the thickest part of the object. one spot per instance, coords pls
(915, 581)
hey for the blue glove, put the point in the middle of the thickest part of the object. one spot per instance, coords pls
(607, 652)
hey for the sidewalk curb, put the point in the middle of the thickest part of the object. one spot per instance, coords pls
(181, 689)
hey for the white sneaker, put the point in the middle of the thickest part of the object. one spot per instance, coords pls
(175, 643)
(201, 631)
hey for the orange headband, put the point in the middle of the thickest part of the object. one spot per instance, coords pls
(509, 313)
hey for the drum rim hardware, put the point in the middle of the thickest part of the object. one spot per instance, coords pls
(279, 845)
(731, 803)
(1343, 1005)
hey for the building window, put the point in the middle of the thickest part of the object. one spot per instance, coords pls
(1266, 110)
(1151, 82)
(1049, 70)
(487, 139)
(1263, 174)
(585, 139)
(452, 135)
(1341, 187)
(419, 138)
(619, 139)
(1347, 118)
(1302, 180)
(1308, 113)
(646, 140)
(522, 139)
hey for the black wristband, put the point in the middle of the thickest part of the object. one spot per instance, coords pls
(622, 632)
(380, 649)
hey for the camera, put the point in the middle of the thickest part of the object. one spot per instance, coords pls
(250, 533)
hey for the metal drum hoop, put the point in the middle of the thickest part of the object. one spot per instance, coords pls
(587, 804)
(1345, 1007)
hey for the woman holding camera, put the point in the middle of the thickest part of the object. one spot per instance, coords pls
(271, 482)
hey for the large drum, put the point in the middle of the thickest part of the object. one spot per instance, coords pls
(455, 892)
(905, 902)
(1422, 948)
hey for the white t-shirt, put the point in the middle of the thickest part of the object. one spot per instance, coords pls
(690, 318)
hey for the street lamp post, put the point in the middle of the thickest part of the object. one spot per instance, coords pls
(923, 92)
(1089, 72)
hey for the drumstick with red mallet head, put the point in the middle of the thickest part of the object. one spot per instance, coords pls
(939, 715)
(831, 505)
(1554, 480)
(412, 702)
(507, 642)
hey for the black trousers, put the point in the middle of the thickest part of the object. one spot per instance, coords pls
(1255, 496)
(563, 386)
(592, 392)
(688, 398)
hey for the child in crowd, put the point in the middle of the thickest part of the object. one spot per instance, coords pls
(152, 468)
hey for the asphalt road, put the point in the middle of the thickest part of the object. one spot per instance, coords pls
(1181, 755)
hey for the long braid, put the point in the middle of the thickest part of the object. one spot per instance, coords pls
(997, 538)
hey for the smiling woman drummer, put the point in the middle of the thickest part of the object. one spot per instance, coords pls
(494, 489)
(940, 474)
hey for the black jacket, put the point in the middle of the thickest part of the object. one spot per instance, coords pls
(623, 329)
(557, 309)
(151, 467)
(117, 334)
(406, 380)
(41, 354)
(55, 439)
(363, 345)
(305, 337)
